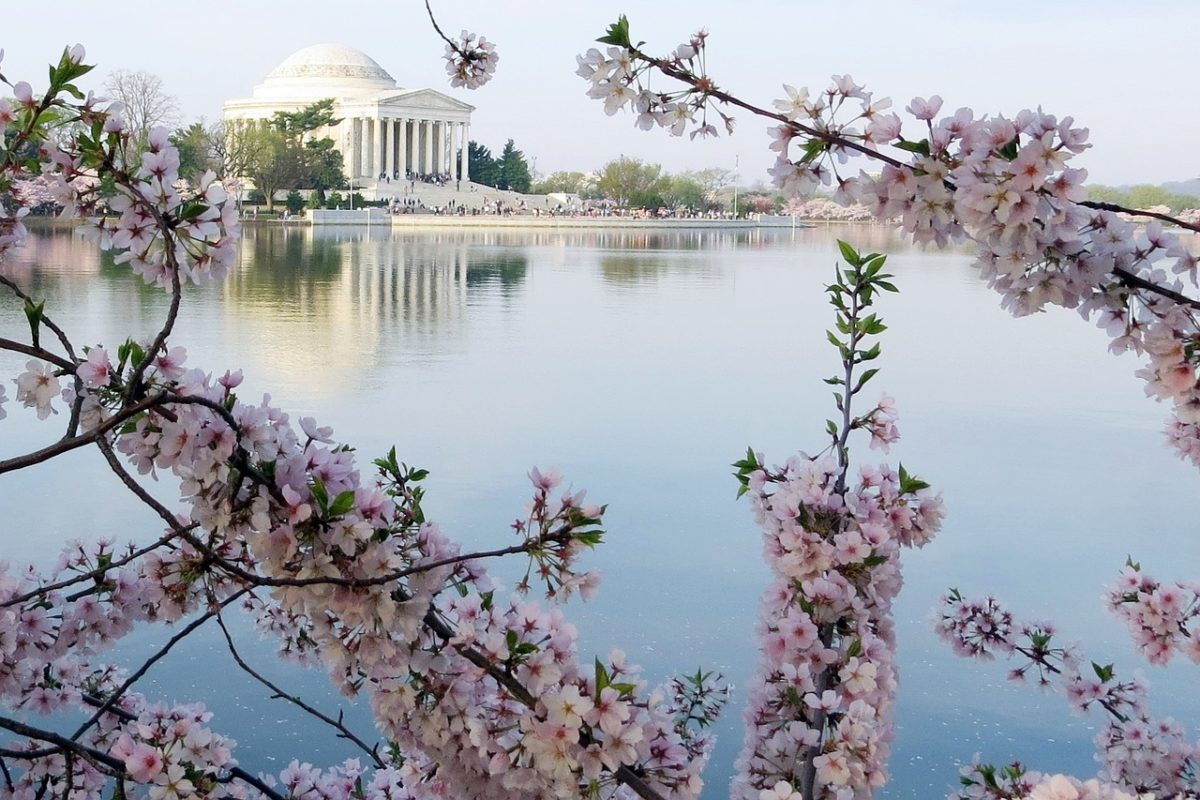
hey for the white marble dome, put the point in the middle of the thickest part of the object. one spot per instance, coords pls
(324, 70)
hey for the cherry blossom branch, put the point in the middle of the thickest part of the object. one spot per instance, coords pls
(279, 694)
(707, 88)
(47, 321)
(91, 575)
(1137, 282)
(623, 773)
(116, 695)
(449, 42)
(1140, 212)
(111, 764)
(172, 262)
(235, 773)
(379, 580)
(142, 494)
(68, 444)
(37, 352)
(470, 61)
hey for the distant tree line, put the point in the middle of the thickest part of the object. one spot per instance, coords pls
(1143, 196)
(633, 183)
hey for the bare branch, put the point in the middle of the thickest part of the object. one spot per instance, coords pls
(279, 694)
(158, 656)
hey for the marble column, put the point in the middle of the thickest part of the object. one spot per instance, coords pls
(453, 135)
(428, 166)
(439, 147)
(355, 147)
(444, 150)
(346, 144)
(466, 137)
(402, 148)
(389, 147)
(371, 166)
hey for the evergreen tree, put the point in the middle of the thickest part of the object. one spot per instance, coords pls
(481, 166)
(513, 169)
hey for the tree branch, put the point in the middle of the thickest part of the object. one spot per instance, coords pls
(37, 352)
(94, 574)
(70, 443)
(279, 694)
(145, 667)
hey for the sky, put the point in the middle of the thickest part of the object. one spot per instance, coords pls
(1122, 69)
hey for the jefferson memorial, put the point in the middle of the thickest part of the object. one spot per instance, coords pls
(384, 130)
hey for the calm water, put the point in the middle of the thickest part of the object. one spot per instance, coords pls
(642, 364)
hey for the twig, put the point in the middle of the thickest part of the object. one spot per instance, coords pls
(834, 139)
(8, 781)
(42, 591)
(623, 773)
(37, 352)
(1138, 212)
(356, 583)
(64, 744)
(279, 694)
(67, 444)
(443, 36)
(49, 323)
(145, 667)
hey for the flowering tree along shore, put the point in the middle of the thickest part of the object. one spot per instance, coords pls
(478, 692)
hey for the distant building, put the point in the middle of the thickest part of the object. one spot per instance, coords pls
(385, 130)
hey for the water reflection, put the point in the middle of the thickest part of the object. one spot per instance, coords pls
(330, 302)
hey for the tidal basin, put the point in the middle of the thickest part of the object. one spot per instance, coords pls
(642, 363)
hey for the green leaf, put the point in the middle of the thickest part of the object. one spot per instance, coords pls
(870, 354)
(1010, 150)
(866, 376)
(848, 253)
(617, 33)
(875, 560)
(35, 313)
(921, 147)
(602, 679)
(320, 493)
(908, 485)
(342, 504)
(854, 649)
(813, 148)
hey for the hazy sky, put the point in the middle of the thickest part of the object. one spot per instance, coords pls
(1124, 69)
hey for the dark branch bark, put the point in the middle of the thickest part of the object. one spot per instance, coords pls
(71, 443)
(280, 694)
(37, 352)
(158, 656)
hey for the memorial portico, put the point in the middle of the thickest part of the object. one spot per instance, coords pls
(385, 131)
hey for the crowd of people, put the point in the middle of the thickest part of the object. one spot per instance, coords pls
(413, 178)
